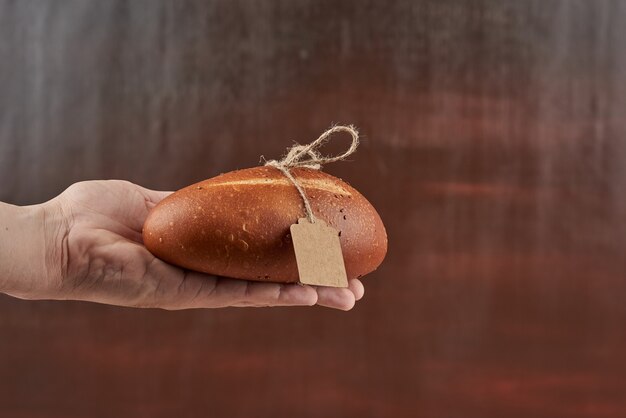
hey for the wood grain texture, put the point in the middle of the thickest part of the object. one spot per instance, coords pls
(494, 151)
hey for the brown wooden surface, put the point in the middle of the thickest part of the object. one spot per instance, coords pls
(494, 148)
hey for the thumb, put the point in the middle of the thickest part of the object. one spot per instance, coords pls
(154, 196)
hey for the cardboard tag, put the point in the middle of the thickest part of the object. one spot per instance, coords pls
(318, 254)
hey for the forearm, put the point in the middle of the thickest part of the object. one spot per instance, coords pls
(23, 245)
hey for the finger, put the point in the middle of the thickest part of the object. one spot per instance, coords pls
(234, 292)
(274, 294)
(197, 290)
(150, 199)
(356, 286)
(336, 298)
(153, 196)
(119, 201)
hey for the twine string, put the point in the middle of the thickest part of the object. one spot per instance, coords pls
(308, 156)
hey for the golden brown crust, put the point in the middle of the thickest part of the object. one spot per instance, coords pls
(237, 224)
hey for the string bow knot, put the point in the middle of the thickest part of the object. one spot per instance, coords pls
(308, 156)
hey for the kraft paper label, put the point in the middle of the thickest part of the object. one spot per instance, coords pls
(318, 254)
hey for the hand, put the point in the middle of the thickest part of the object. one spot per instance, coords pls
(95, 253)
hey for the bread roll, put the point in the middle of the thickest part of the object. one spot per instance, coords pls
(237, 224)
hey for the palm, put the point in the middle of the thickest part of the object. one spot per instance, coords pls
(108, 263)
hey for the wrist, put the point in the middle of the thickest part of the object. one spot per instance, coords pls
(21, 248)
(30, 265)
(56, 227)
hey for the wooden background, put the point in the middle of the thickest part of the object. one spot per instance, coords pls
(494, 148)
